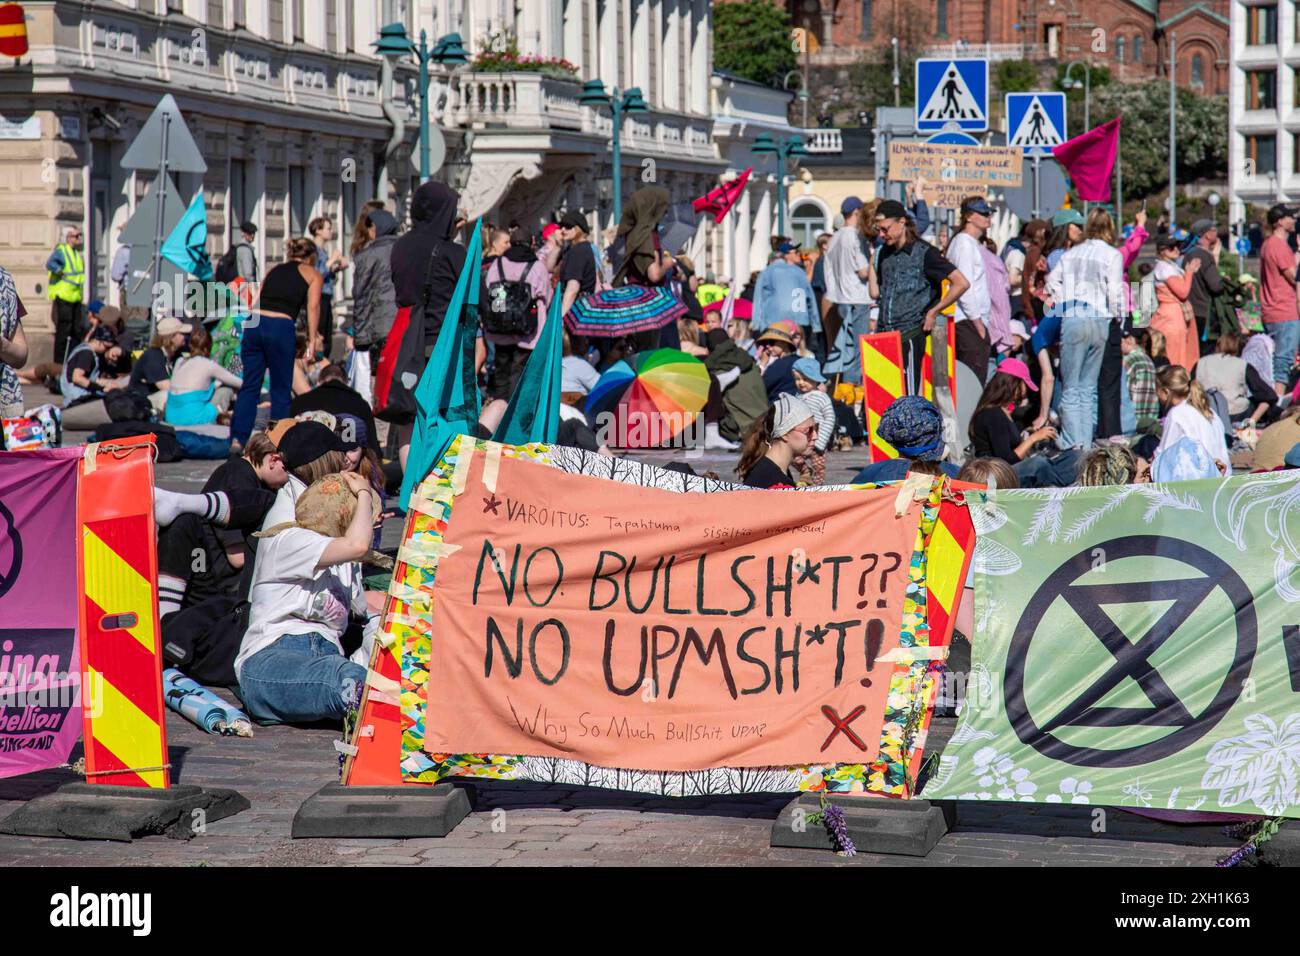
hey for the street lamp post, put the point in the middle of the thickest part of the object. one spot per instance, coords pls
(449, 50)
(630, 101)
(765, 145)
(1070, 84)
(1173, 125)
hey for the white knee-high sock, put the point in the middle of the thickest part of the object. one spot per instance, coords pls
(169, 505)
(171, 592)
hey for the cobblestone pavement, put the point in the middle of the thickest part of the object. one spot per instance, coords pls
(281, 767)
(542, 825)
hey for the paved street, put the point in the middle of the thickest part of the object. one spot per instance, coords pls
(280, 767)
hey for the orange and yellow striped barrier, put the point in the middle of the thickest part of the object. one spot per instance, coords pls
(884, 381)
(117, 617)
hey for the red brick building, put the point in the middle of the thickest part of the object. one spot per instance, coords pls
(1128, 36)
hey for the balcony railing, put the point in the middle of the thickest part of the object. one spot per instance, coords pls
(518, 101)
(823, 141)
(959, 49)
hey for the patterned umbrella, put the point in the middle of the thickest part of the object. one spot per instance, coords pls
(623, 311)
(652, 403)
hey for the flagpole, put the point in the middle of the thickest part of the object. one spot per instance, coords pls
(159, 219)
(1119, 180)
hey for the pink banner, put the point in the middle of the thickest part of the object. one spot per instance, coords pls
(40, 707)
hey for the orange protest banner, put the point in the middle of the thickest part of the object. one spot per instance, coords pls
(631, 626)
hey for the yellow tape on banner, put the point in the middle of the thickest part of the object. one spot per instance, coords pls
(491, 467)
(425, 555)
(434, 507)
(460, 477)
(914, 487)
(88, 458)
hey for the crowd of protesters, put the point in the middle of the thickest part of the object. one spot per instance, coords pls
(1097, 364)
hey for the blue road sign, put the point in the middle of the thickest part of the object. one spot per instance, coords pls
(953, 139)
(1036, 121)
(952, 91)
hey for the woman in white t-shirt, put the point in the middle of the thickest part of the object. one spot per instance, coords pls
(1193, 443)
(306, 585)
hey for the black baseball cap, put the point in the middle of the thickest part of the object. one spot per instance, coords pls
(306, 441)
(575, 220)
(1280, 212)
(891, 209)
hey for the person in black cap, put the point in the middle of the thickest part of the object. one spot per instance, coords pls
(1207, 284)
(333, 394)
(579, 265)
(310, 450)
(908, 281)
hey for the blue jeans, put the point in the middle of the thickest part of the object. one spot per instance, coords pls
(1083, 345)
(300, 679)
(268, 344)
(1128, 420)
(1286, 340)
(1046, 471)
(845, 356)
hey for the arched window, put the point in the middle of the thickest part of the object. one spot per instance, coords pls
(1119, 49)
(866, 31)
(1198, 70)
(942, 18)
(807, 221)
(1137, 48)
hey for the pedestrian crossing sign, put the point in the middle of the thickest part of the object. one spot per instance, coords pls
(1035, 121)
(952, 94)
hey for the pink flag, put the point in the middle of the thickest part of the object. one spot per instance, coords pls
(1090, 160)
(720, 200)
(40, 707)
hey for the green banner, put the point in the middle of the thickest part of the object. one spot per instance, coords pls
(1135, 646)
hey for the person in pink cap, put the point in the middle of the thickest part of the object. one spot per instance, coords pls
(1033, 455)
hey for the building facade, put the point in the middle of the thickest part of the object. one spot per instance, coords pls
(1264, 106)
(1128, 36)
(285, 101)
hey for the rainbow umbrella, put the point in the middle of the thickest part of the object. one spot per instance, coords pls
(650, 402)
(624, 310)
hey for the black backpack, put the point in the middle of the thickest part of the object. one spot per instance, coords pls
(509, 307)
(228, 267)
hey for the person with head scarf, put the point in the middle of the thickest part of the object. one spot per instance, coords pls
(787, 431)
(913, 426)
(644, 262)
(374, 300)
(428, 254)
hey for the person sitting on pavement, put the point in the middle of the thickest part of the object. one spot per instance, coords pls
(1035, 458)
(913, 426)
(83, 393)
(333, 394)
(307, 584)
(151, 376)
(193, 397)
(776, 358)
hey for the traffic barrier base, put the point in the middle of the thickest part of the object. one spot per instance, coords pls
(875, 824)
(400, 812)
(83, 811)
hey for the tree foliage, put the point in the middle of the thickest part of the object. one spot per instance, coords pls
(1202, 133)
(752, 39)
(1015, 76)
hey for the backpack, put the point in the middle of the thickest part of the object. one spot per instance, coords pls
(509, 306)
(228, 266)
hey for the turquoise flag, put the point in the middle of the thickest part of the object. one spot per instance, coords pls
(447, 400)
(534, 412)
(187, 246)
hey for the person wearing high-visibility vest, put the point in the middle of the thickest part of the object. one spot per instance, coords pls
(67, 270)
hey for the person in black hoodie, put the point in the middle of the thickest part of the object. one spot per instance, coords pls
(427, 250)
(425, 257)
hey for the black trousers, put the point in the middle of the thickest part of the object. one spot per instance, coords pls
(1109, 382)
(973, 349)
(69, 325)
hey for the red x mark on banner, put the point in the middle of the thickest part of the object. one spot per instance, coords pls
(841, 725)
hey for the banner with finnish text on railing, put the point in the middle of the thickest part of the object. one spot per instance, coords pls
(567, 618)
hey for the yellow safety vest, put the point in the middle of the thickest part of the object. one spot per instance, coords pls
(68, 286)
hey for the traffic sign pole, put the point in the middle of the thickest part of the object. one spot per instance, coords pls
(158, 220)
(1037, 197)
